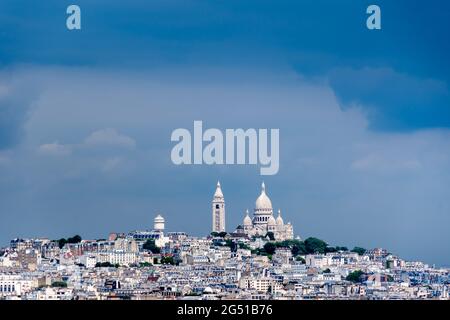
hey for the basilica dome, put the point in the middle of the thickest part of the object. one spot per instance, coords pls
(247, 220)
(263, 202)
(280, 221)
(271, 221)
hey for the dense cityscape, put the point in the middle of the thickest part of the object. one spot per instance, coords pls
(260, 260)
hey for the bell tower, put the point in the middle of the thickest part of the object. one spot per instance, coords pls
(218, 210)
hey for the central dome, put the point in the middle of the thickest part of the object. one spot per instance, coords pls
(263, 201)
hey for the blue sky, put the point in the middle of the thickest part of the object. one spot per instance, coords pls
(364, 116)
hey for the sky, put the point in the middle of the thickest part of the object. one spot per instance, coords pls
(364, 116)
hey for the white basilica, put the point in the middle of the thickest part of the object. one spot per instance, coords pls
(263, 220)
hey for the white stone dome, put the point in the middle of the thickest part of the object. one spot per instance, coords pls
(159, 218)
(271, 221)
(247, 220)
(280, 221)
(263, 201)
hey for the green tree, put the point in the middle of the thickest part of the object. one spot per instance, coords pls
(298, 247)
(74, 239)
(145, 264)
(327, 270)
(359, 250)
(59, 284)
(106, 265)
(151, 246)
(300, 259)
(167, 260)
(233, 245)
(330, 249)
(270, 248)
(222, 234)
(314, 245)
(270, 235)
(244, 246)
(214, 234)
(61, 243)
(355, 276)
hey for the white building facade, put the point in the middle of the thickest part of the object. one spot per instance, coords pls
(264, 222)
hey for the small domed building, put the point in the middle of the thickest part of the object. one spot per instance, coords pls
(158, 223)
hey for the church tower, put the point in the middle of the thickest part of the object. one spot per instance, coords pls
(218, 210)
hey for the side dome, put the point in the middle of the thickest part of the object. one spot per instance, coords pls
(271, 221)
(263, 201)
(247, 220)
(280, 221)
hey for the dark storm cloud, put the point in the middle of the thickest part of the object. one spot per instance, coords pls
(16, 100)
(315, 37)
(394, 101)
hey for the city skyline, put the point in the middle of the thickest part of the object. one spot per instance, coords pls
(262, 203)
(86, 117)
(235, 219)
(159, 265)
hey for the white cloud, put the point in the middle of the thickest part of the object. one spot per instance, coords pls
(384, 164)
(54, 149)
(111, 164)
(109, 137)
